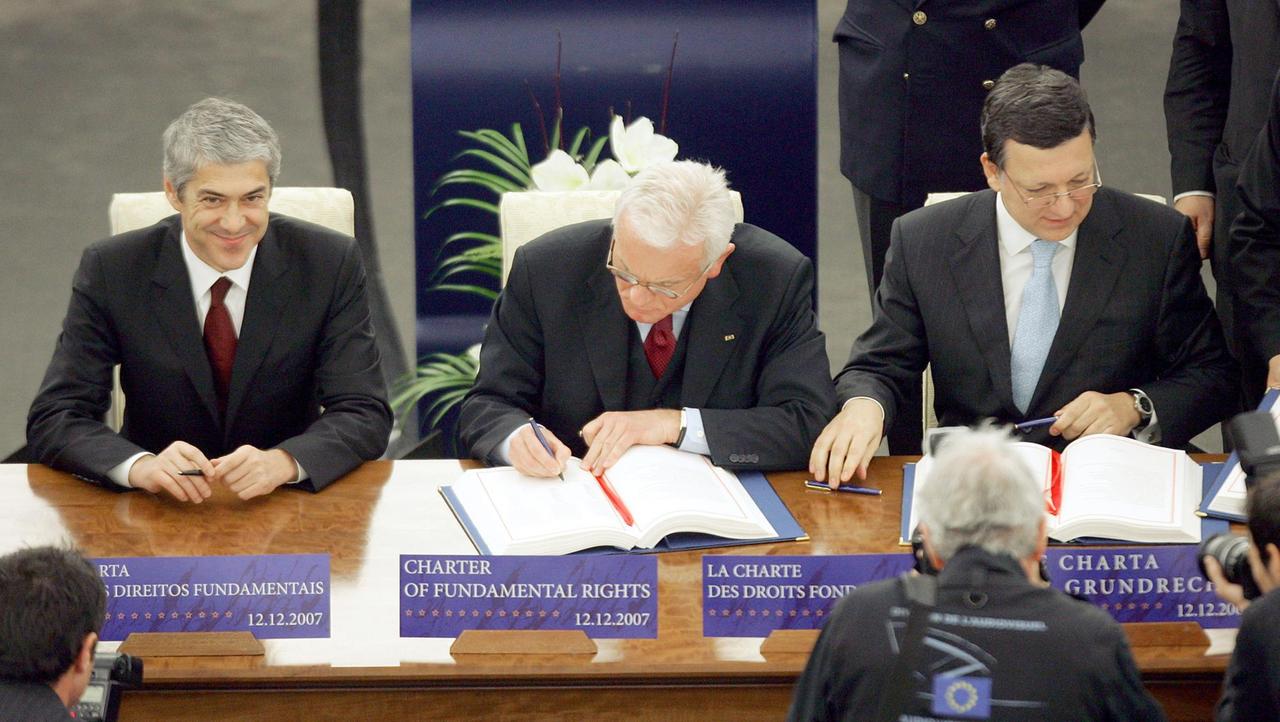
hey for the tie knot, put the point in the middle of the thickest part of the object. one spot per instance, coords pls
(218, 290)
(1042, 252)
(664, 324)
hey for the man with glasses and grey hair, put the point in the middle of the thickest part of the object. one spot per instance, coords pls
(668, 324)
(244, 340)
(1049, 299)
(984, 639)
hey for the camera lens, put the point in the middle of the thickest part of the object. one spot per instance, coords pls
(1232, 554)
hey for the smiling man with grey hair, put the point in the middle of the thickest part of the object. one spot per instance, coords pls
(243, 337)
(984, 639)
(667, 325)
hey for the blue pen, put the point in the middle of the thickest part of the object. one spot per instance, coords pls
(1035, 423)
(537, 431)
(821, 485)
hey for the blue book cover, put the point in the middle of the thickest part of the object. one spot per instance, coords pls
(1232, 466)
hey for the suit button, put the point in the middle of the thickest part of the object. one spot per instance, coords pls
(990, 24)
(754, 459)
(988, 84)
(919, 18)
(734, 458)
(906, 76)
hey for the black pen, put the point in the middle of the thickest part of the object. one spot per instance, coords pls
(543, 440)
(191, 472)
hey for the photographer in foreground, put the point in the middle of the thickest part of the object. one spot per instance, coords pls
(984, 639)
(52, 605)
(1251, 690)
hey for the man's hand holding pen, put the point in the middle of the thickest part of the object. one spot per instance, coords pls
(182, 471)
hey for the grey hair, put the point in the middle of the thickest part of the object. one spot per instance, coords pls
(981, 493)
(1037, 106)
(218, 131)
(680, 201)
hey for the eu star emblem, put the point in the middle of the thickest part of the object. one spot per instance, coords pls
(963, 697)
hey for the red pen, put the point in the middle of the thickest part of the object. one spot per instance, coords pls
(616, 501)
(1054, 502)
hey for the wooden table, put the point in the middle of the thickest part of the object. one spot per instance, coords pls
(365, 670)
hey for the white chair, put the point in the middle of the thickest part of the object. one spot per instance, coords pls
(525, 215)
(929, 417)
(329, 207)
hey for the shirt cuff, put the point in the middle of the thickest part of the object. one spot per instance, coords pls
(503, 452)
(1180, 196)
(879, 405)
(120, 472)
(302, 473)
(695, 436)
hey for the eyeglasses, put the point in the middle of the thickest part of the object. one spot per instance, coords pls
(632, 280)
(1044, 201)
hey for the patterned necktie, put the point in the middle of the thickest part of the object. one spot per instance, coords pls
(1037, 324)
(220, 341)
(659, 346)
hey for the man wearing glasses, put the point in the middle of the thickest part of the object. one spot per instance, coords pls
(1048, 297)
(668, 324)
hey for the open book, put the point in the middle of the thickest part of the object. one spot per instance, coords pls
(1226, 497)
(1105, 486)
(662, 489)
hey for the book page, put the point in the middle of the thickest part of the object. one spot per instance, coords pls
(510, 508)
(657, 482)
(1124, 480)
(1231, 497)
(1035, 456)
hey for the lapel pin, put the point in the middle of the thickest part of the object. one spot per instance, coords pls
(730, 337)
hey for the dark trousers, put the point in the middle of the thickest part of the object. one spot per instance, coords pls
(875, 221)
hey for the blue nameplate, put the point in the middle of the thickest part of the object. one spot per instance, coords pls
(750, 596)
(272, 596)
(1142, 584)
(604, 596)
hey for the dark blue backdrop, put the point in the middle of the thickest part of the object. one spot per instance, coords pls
(743, 97)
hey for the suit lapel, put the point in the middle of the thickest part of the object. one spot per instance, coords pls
(1094, 274)
(605, 331)
(175, 309)
(713, 326)
(975, 272)
(272, 286)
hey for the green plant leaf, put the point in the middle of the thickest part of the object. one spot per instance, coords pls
(500, 144)
(444, 404)
(516, 174)
(468, 202)
(489, 181)
(578, 137)
(517, 136)
(589, 162)
(486, 239)
(466, 288)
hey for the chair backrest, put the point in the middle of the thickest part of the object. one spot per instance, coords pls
(525, 215)
(329, 207)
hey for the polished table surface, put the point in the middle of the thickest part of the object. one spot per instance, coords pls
(384, 509)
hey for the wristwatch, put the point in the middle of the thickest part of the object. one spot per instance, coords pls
(1142, 404)
(680, 437)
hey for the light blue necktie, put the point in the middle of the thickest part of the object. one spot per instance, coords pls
(1037, 324)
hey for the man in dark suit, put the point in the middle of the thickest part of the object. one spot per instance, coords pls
(670, 325)
(913, 75)
(1225, 55)
(1255, 257)
(285, 386)
(52, 604)
(932, 647)
(1046, 296)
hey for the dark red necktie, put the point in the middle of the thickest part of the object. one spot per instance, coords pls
(220, 340)
(659, 346)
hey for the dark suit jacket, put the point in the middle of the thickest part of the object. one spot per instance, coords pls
(556, 349)
(911, 92)
(1225, 54)
(1074, 665)
(1251, 688)
(306, 342)
(1255, 252)
(1136, 316)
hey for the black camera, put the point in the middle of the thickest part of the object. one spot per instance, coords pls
(112, 674)
(1258, 448)
(923, 565)
(1231, 551)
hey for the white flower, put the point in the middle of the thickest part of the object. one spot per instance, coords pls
(608, 176)
(559, 172)
(637, 147)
